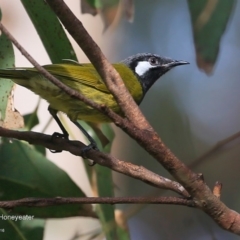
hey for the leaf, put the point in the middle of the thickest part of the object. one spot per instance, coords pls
(128, 9)
(110, 135)
(31, 120)
(110, 10)
(101, 4)
(50, 30)
(41, 149)
(102, 182)
(109, 15)
(26, 173)
(9, 116)
(13, 119)
(209, 21)
(87, 8)
(105, 188)
(33, 229)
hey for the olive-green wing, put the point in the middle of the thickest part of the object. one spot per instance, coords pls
(84, 74)
(87, 75)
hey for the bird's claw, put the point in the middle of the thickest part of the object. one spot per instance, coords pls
(92, 145)
(58, 135)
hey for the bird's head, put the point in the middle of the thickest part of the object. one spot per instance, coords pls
(150, 67)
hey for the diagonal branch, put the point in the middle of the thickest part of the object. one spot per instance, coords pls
(214, 149)
(109, 75)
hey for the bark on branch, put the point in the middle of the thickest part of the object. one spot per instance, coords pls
(44, 202)
(75, 147)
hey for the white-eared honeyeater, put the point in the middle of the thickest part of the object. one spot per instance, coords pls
(139, 72)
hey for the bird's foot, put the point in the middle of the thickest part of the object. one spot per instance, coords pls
(91, 146)
(58, 135)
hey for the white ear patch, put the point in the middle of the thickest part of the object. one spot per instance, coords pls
(142, 67)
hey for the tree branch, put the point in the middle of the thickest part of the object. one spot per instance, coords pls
(75, 147)
(44, 202)
(213, 149)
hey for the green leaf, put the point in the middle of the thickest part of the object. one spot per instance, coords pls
(104, 182)
(7, 61)
(50, 30)
(105, 187)
(26, 173)
(9, 118)
(109, 9)
(209, 21)
(109, 133)
(105, 212)
(31, 120)
(33, 229)
(41, 149)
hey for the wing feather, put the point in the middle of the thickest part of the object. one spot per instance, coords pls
(84, 74)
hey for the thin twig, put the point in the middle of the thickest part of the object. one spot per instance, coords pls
(213, 149)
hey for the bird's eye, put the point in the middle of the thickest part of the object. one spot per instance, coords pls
(153, 61)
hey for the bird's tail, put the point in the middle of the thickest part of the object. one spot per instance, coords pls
(15, 74)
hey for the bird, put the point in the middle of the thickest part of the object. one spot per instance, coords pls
(138, 72)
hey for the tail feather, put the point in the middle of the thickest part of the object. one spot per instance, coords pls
(13, 74)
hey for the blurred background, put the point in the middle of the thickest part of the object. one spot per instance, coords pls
(191, 111)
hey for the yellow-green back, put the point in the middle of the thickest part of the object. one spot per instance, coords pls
(83, 78)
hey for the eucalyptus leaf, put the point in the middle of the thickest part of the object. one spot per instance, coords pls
(50, 30)
(26, 173)
(31, 120)
(7, 61)
(209, 22)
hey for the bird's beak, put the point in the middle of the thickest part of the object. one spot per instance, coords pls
(174, 63)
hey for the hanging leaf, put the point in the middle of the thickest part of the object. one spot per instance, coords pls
(209, 21)
(111, 11)
(128, 9)
(50, 30)
(87, 8)
(9, 116)
(31, 120)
